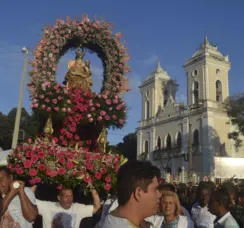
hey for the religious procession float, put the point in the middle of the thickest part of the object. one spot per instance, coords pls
(71, 148)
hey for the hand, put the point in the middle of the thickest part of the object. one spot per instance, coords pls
(92, 189)
(22, 186)
(13, 190)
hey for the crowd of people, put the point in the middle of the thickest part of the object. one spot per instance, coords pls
(141, 201)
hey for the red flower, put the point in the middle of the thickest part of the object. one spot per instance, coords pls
(108, 179)
(41, 167)
(88, 142)
(70, 155)
(59, 187)
(41, 154)
(27, 164)
(107, 187)
(32, 172)
(29, 154)
(103, 170)
(70, 165)
(87, 179)
(34, 159)
(89, 167)
(61, 161)
(19, 171)
(98, 175)
(61, 171)
(51, 173)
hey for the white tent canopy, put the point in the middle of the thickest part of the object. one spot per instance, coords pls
(3, 157)
(229, 167)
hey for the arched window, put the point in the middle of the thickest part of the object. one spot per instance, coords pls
(219, 91)
(196, 137)
(165, 97)
(146, 149)
(178, 140)
(147, 109)
(159, 143)
(195, 95)
(168, 142)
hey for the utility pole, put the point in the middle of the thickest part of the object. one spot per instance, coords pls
(190, 146)
(19, 109)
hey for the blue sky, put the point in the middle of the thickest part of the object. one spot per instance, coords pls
(168, 30)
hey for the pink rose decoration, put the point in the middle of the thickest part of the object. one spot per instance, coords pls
(102, 113)
(108, 102)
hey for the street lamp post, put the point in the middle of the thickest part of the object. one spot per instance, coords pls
(19, 109)
(190, 143)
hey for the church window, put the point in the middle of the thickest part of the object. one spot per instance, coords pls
(147, 109)
(159, 143)
(178, 140)
(194, 73)
(218, 91)
(168, 142)
(196, 137)
(218, 71)
(165, 97)
(195, 92)
(146, 149)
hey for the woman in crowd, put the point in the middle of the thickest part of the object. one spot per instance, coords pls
(171, 215)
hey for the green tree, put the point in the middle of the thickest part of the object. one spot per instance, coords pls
(129, 146)
(5, 132)
(235, 110)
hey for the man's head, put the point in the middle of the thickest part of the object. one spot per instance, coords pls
(65, 198)
(219, 202)
(230, 188)
(204, 196)
(6, 179)
(166, 187)
(137, 185)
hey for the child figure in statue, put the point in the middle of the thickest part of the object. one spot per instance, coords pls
(79, 74)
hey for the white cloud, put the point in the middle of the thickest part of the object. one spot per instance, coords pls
(151, 60)
(181, 98)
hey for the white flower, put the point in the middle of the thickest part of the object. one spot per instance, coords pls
(50, 55)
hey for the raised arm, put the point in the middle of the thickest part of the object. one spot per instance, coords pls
(29, 210)
(7, 199)
(96, 200)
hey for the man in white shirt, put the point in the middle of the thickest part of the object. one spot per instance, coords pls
(18, 206)
(65, 213)
(138, 195)
(200, 213)
(219, 205)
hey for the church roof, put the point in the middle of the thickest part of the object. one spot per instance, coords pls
(159, 72)
(208, 47)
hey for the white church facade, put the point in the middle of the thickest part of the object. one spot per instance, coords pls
(169, 131)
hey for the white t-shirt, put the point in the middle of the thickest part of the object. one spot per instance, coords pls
(111, 221)
(52, 212)
(108, 206)
(14, 209)
(227, 221)
(202, 217)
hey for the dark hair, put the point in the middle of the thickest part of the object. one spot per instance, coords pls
(132, 175)
(222, 197)
(229, 186)
(60, 191)
(6, 170)
(166, 187)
